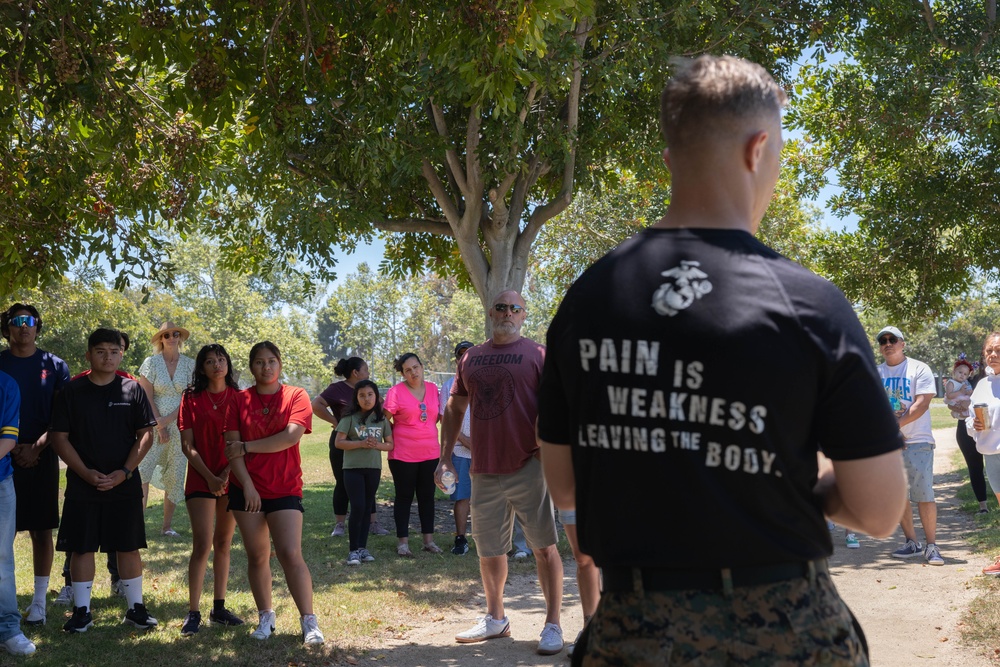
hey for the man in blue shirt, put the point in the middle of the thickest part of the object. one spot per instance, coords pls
(11, 637)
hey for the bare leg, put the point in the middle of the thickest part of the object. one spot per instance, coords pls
(42, 551)
(286, 528)
(81, 567)
(928, 519)
(129, 564)
(588, 575)
(168, 511)
(257, 543)
(550, 577)
(461, 516)
(201, 512)
(225, 525)
(494, 573)
(906, 523)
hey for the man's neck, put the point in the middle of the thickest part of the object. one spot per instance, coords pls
(897, 362)
(101, 378)
(22, 350)
(501, 339)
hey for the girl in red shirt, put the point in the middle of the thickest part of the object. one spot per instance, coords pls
(208, 409)
(266, 493)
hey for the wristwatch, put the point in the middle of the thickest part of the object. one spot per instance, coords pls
(128, 473)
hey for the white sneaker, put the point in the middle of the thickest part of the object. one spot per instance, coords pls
(550, 641)
(36, 614)
(265, 625)
(851, 541)
(310, 630)
(65, 596)
(118, 588)
(19, 645)
(485, 628)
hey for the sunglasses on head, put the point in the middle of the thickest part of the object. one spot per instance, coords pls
(502, 308)
(171, 334)
(23, 321)
(888, 340)
(423, 412)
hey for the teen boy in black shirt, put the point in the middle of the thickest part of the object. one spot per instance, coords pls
(102, 427)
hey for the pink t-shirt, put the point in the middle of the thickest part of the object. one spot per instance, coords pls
(413, 440)
(501, 382)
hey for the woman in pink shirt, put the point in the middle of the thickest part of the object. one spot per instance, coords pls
(413, 407)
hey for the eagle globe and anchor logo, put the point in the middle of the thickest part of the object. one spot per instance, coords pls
(685, 284)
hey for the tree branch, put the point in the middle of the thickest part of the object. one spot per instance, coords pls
(559, 203)
(472, 173)
(451, 157)
(437, 189)
(406, 225)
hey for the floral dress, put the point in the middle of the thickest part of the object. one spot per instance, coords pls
(164, 465)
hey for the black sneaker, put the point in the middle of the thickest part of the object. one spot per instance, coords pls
(192, 622)
(461, 546)
(138, 617)
(79, 621)
(224, 617)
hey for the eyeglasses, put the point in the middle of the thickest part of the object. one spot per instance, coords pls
(514, 308)
(888, 340)
(423, 412)
(171, 334)
(23, 321)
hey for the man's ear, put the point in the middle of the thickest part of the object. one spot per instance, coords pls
(753, 152)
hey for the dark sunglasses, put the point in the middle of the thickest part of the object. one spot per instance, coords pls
(423, 412)
(888, 340)
(171, 334)
(23, 321)
(514, 308)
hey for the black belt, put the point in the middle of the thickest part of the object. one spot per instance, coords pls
(652, 579)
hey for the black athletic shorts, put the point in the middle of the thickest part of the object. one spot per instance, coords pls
(109, 526)
(238, 502)
(203, 494)
(37, 490)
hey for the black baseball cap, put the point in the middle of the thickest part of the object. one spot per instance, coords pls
(462, 347)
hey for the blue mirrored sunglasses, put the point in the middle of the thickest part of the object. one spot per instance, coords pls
(23, 321)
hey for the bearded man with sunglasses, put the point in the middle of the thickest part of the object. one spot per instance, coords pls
(909, 386)
(39, 375)
(499, 379)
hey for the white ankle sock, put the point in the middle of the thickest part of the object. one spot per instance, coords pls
(81, 593)
(133, 591)
(41, 588)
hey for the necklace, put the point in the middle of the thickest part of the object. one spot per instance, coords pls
(266, 406)
(225, 397)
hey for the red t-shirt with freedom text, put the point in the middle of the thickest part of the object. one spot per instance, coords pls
(501, 382)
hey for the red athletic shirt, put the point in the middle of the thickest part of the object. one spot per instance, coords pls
(209, 416)
(275, 475)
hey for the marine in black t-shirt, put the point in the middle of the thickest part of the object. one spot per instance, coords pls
(693, 377)
(734, 367)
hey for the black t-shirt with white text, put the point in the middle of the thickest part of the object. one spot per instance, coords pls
(696, 373)
(102, 422)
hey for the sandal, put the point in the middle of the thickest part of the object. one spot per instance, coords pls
(403, 550)
(433, 548)
(170, 532)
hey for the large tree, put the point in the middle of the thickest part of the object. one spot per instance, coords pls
(295, 129)
(905, 110)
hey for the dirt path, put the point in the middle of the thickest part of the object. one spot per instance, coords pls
(910, 611)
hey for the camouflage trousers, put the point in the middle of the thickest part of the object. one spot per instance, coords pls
(790, 623)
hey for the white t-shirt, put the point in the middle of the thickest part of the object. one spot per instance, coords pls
(460, 450)
(906, 381)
